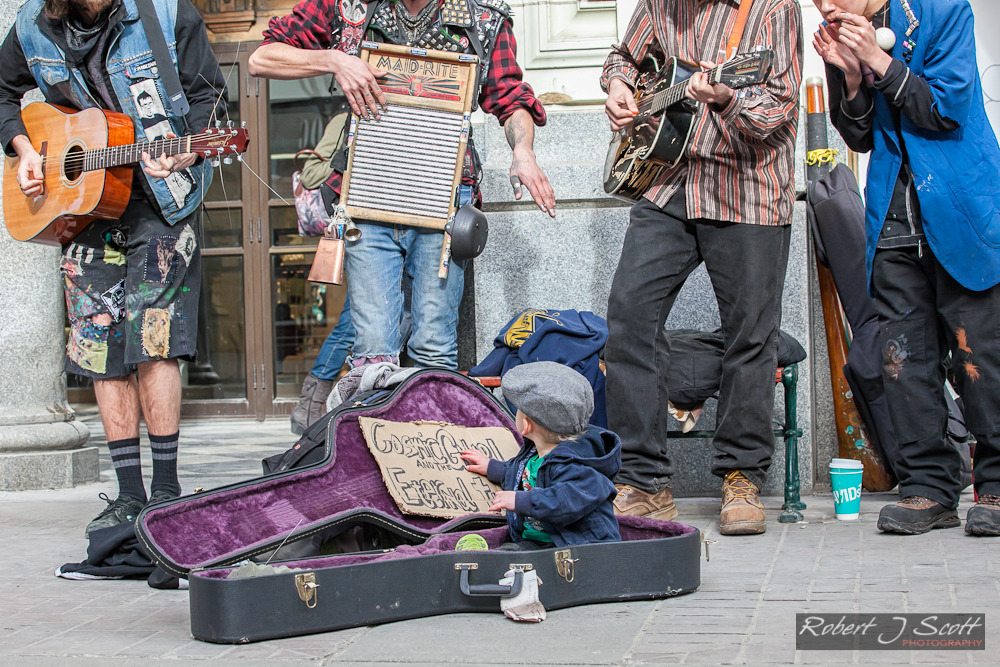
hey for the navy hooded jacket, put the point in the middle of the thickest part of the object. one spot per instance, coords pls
(568, 337)
(574, 489)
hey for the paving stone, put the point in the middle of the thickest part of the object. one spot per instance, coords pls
(745, 609)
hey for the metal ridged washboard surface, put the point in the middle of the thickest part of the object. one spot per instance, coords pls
(405, 161)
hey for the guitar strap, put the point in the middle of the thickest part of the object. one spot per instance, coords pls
(154, 35)
(737, 34)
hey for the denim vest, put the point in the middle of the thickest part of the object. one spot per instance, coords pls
(130, 61)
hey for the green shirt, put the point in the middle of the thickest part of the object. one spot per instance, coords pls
(532, 526)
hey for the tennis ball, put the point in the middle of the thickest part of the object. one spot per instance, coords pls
(471, 542)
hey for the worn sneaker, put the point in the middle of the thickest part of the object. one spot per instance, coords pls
(119, 510)
(161, 495)
(915, 515)
(632, 501)
(984, 517)
(742, 512)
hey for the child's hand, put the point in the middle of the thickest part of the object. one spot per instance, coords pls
(503, 500)
(475, 461)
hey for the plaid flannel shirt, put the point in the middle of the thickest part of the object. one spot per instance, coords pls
(315, 24)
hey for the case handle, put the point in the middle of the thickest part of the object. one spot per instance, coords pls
(488, 590)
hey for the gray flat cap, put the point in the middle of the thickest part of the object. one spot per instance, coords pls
(557, 397)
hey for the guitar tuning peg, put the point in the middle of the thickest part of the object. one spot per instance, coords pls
(208, 152)
(215, 162)
(218, 123)
(227, 160)
(229, 123)
(243, 123)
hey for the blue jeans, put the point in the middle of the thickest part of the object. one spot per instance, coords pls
(375, 264)
(336, 347)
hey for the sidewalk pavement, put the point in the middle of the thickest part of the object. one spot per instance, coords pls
(744, 612)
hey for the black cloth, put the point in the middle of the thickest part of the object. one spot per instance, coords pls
(746, 264)
(695, 372)
(836, 216)
(116, 553)
(86, 48)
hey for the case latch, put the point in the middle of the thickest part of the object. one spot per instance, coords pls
(564, 565)
(306, 585)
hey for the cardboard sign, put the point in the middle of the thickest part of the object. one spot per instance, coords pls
(422, 468)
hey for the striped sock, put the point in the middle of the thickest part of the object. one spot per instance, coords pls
(128, 468)
(164, 463)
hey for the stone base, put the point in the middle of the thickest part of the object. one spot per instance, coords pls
(49, 470)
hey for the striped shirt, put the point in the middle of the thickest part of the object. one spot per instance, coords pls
(738, 164)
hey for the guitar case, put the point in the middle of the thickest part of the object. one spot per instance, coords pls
(331, 550)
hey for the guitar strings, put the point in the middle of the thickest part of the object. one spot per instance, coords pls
(152, 147)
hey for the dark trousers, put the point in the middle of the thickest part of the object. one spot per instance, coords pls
(924, 314)
(746, 264)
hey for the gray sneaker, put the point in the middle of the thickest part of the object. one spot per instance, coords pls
(119, 510)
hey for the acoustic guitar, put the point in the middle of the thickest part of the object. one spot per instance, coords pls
(659, 134)
(86, 162)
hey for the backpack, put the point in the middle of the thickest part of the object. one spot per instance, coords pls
(311, 447)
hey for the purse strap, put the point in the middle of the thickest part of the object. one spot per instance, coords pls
(154, 35)
(306, 151)
(737, 34)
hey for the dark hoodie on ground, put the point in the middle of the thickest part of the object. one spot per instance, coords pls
(573, 491)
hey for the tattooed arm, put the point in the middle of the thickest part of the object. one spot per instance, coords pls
(524, 170)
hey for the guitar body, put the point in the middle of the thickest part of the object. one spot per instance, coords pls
(653, 141)
(658, 137)
(72, 197)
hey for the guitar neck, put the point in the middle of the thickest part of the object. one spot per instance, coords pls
(675, 93)
(117, 156)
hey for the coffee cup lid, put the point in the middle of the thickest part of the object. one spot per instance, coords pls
(847, 463)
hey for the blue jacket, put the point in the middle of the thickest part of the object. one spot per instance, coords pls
(568, 337)
(130, 63)
(574, 489)
(956, 174)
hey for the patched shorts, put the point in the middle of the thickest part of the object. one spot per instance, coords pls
(143, 272)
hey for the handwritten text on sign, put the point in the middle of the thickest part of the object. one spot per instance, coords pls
(422, 468)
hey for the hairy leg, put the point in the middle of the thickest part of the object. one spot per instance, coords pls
(118, 400)
(160, 395)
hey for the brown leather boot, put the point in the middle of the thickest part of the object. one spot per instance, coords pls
(312, 403)
(632, 501)
(742, 511)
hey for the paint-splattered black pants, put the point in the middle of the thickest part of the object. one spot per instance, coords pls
(924, 314)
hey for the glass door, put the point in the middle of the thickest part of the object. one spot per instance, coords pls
(302, 313)
(223, 379)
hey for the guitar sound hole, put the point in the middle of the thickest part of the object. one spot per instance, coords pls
(73, 163)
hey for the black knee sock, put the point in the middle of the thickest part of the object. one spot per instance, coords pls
(164, 463)
(128, 468)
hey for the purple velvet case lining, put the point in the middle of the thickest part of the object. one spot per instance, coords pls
(238, 518)
(247, 518)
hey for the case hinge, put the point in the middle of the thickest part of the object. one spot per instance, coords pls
(306, 585)
(565, 565)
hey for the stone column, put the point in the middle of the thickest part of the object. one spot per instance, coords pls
(41, 442)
